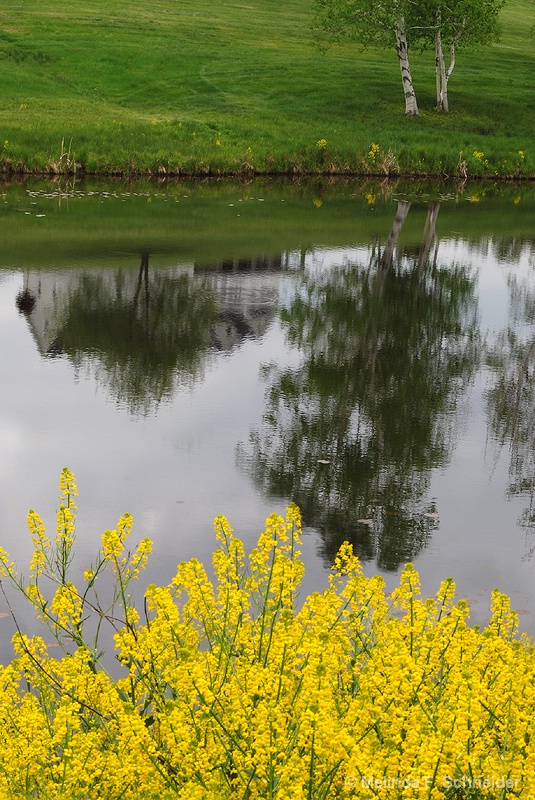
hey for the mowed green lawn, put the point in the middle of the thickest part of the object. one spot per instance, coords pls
(224, 87)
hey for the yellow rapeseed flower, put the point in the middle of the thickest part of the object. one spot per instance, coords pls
(230, 689)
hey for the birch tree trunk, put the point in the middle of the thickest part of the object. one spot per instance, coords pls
(437, 68)
(411, 106)
(441, 75)
(450, 70)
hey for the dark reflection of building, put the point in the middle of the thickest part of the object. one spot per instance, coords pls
(51, 292)
(25, 301)
(146, 331)
(141, 332)
(247, 292)
(273, 263)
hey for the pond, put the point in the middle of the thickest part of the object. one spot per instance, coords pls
(365, 350)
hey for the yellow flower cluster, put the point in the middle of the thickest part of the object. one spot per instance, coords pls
(374, 151)
(236, 689)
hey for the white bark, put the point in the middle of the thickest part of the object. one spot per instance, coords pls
(441, 75)
(452, 61)
(411, 106)
(437, 68)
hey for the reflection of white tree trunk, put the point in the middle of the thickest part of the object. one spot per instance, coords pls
(143, 280)
(393, 236)
(411, 106)
(385, 261)
(429, 236)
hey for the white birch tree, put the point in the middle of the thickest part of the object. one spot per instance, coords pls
(402, 50)
(371, 22)
(448, 24)
(439, 24)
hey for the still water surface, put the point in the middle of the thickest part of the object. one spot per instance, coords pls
(191, 350)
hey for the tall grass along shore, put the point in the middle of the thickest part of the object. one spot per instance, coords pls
(210, 89)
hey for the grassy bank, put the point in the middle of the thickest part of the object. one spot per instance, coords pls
(211, 88)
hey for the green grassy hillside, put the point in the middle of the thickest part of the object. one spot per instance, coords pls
(210, 87)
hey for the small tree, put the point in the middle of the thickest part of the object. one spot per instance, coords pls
(441, 24)
(429, 23)
(371, 23)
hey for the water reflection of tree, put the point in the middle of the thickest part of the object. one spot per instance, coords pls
(140, 339)
(387, 348)
(511, 400)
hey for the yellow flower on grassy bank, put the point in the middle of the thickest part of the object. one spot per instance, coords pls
(374, 151)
